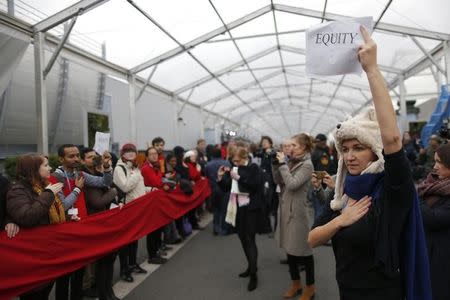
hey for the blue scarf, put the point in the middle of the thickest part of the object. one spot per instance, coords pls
(414, 264)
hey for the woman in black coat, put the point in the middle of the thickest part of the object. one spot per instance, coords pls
(435, 207)
(249, 202)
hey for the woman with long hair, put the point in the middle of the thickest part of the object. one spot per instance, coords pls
(435, 207)
(32, 201)
(296, 213)
(374, 219)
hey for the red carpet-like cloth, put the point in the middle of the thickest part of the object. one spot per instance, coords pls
(39, 255)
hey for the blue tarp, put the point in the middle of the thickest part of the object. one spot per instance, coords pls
(441, 112)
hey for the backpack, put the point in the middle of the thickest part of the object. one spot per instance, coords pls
(120, 194)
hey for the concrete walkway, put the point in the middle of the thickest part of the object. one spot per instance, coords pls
(206, 268)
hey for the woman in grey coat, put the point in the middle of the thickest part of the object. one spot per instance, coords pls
(295, 213)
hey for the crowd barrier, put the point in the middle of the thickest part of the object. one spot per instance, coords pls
(39, 255)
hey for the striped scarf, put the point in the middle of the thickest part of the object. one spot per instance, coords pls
(56, 212)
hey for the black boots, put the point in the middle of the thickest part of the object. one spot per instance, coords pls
(253, 283)
(245, 274)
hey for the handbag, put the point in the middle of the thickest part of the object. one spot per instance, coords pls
(187, 227)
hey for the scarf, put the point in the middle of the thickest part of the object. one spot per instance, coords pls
(356, 187)
(414, 264)
(433, 189)
(56, 212)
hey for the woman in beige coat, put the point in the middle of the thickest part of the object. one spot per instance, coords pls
(295, 218)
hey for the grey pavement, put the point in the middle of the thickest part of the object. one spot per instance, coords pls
(206, 268)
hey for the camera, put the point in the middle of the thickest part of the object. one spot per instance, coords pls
(444, 131)
(273, 157)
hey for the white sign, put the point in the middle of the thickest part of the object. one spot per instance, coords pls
(331, 48)
(101, 142)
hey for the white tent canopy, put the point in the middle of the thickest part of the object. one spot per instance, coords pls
(245, 60)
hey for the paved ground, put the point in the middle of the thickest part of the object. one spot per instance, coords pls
(206, 268)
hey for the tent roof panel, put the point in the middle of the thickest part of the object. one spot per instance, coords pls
(177, 72)
(289, 22)
(429, 15)
(186, 20)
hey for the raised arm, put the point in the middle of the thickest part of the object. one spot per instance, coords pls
(390, 134)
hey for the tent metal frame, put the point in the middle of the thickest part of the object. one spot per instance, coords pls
(41, 38)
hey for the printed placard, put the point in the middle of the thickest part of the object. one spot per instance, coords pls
(332, 47)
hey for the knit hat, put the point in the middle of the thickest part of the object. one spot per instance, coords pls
(128, 148)
(189, 154)
(365, 128)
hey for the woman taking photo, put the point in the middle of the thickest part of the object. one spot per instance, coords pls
(32, 201)
(249, 202)
(295, 213)
(435, 207)
(374, 219)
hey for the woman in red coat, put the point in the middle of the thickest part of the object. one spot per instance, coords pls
(190, 160)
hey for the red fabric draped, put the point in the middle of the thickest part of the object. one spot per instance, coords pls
(39, 255)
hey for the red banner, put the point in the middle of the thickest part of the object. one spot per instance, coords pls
(39, 255)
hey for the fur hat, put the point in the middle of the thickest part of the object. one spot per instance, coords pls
(365, 128)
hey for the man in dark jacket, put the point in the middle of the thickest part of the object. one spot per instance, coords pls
(321, 158)
(219, 203)
(271, 197)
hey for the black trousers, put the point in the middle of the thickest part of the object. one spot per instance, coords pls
(41, 294)
(391, 293)
(247, 225)
(307, 261)
(154, 242)
(128, 257)
(75, 281)
(104, 270)
(193, 218)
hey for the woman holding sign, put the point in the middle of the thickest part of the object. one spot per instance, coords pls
(374, 219)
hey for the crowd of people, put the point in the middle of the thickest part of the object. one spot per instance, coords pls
(378, 199)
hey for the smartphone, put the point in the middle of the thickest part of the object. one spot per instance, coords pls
(320, 174)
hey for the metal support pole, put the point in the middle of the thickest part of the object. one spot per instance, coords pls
(60, 46)
(185, 102)
(146, 83)
(447, 61)
(10, 7)
(422, 48)
(41, 95)
(202, 124)
(132, 102)
(403, 113)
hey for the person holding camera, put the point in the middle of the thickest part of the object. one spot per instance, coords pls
(99, 199)
(374, 219)
(249, 199)
(318, 180)
(295, 213)
(435, 207)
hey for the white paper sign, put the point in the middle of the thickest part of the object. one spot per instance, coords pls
(101, 142)
(331, 48)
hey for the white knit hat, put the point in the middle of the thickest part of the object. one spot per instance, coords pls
(189, 154)
(365, 128)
